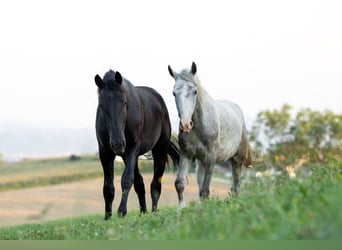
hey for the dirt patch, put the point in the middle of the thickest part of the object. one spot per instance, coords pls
(40, 204)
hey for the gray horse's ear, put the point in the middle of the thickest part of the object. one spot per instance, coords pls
(99, 81)
(118, 77)
(171, 71)
(193, 68)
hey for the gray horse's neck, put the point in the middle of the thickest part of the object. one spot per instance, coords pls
(204, 116)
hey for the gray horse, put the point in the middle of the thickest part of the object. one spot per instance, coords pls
(210, 131)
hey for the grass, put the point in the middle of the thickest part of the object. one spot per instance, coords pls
(268, 208)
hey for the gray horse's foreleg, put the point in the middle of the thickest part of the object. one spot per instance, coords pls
(200, 171)
(183, 169)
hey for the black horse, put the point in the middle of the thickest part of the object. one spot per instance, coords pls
(130, 121)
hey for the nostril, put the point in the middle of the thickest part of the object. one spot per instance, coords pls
(191, 123)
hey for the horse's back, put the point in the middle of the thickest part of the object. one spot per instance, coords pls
(156, 117)
(231, 111)
(148, 93)
(153, 100)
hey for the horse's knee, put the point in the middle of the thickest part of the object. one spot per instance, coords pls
(126, 183)
(155, 194)
(156, 184)
(179, 184)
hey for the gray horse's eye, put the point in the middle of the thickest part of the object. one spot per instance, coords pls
(195, 92)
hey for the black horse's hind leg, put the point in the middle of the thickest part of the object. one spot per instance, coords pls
(139, 188)
(159, 163)
(107, 162)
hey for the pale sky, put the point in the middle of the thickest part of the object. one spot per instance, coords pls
(257, 53)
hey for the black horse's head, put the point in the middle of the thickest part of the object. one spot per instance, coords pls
(113, 106)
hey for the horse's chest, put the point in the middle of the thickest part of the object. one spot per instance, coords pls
(191, 146)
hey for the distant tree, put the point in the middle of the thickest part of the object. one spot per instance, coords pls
(310, 133)
(271, 128)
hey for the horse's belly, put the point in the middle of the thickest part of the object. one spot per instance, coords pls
(150, 139)
(225, 154)
(216, 151)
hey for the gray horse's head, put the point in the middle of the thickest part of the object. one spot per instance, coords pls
(185, 92)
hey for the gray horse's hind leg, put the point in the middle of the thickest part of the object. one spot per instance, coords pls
(242, 158)
(236, 171)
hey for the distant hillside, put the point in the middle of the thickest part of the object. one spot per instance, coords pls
(21, 141)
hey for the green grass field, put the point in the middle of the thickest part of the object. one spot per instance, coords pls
(306, 207)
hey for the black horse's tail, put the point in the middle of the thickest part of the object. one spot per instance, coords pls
(173, 151)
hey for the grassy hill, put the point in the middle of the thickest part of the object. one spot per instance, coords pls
(275, 207)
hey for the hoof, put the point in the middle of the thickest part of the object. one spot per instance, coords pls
(181, 205)
(122, 214)
(154, 209)
(107, 215)
(234, 192)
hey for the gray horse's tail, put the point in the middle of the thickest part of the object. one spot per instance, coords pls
(245, 150)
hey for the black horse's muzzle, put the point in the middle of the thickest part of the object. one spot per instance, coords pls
(118, 146)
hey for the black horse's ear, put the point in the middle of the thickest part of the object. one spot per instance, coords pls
(99, 81)
(118, 77)
(193, 68)
(172, 73)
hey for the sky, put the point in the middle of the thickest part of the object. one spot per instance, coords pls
(259, 54)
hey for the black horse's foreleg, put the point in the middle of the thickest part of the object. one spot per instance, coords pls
(127, 180)
(139, 188)
(107, 162)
